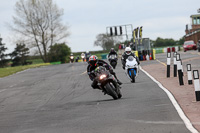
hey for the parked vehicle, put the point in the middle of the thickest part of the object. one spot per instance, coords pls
(131, 68)
(189, 45)
(113, 60)
(107, 82)
(198, 46)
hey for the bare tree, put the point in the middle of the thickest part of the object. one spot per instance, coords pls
(39, 22)
(106, 42)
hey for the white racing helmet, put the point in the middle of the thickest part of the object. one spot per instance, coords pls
(128, 50)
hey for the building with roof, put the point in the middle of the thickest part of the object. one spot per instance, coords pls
(194, 32)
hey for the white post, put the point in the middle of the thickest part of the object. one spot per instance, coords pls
(189, 73)
(168, 64)
(180, 75)
(196, 84)
(181, 67)
(175, 65)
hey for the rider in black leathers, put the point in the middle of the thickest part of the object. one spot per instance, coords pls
(112, 52)
(126, 54)
(93, 63)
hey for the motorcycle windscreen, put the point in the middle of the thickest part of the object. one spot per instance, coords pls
(131, 58)
(112, 56)
(131, 61)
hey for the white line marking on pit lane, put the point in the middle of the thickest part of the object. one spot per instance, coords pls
(2, 90)
(187, 122)
(83, 73)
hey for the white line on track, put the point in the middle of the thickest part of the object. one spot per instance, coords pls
(187, 122)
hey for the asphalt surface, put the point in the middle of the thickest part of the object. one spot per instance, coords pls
(59, 99)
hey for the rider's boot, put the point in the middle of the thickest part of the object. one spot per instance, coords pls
(119, 82)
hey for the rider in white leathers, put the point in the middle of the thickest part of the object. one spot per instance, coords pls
(126, 54)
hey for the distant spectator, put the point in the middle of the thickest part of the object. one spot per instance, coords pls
(120, 46)
(123, 47)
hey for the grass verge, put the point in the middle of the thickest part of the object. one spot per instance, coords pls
(11, 70)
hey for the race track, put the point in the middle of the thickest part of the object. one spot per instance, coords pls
(59, 99)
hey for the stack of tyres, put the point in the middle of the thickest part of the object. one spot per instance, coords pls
(140, 55)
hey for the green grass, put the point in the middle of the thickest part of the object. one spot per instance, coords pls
(11, 70)
(36, 61)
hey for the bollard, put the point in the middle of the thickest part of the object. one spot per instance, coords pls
(181, 67)
(189, 73)
(168, 50)
(196, 84)
(168, 64)
(175, 65)
(180, 75)
(173, 49)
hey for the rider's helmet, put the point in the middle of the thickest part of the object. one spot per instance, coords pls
(71, 54)
(128, 50)
(112, 50)
(93, 60)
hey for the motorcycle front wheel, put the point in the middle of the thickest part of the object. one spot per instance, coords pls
(113, 64)
(110, 91)
(132, 76)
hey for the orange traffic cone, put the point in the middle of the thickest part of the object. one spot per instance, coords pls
(150, 57)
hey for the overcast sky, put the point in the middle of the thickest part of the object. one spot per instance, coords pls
(88, 18)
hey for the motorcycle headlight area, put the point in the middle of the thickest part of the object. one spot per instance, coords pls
(102, 76)
(130, 66)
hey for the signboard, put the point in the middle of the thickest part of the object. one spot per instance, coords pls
(198, 10)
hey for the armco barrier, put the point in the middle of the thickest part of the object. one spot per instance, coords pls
(104, 56)
(55, 63)
(164, 50)
(159, 50)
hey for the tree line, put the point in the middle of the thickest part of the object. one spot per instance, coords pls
(164, 42)
(57, 52)
(107, 42)
(38, 25)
